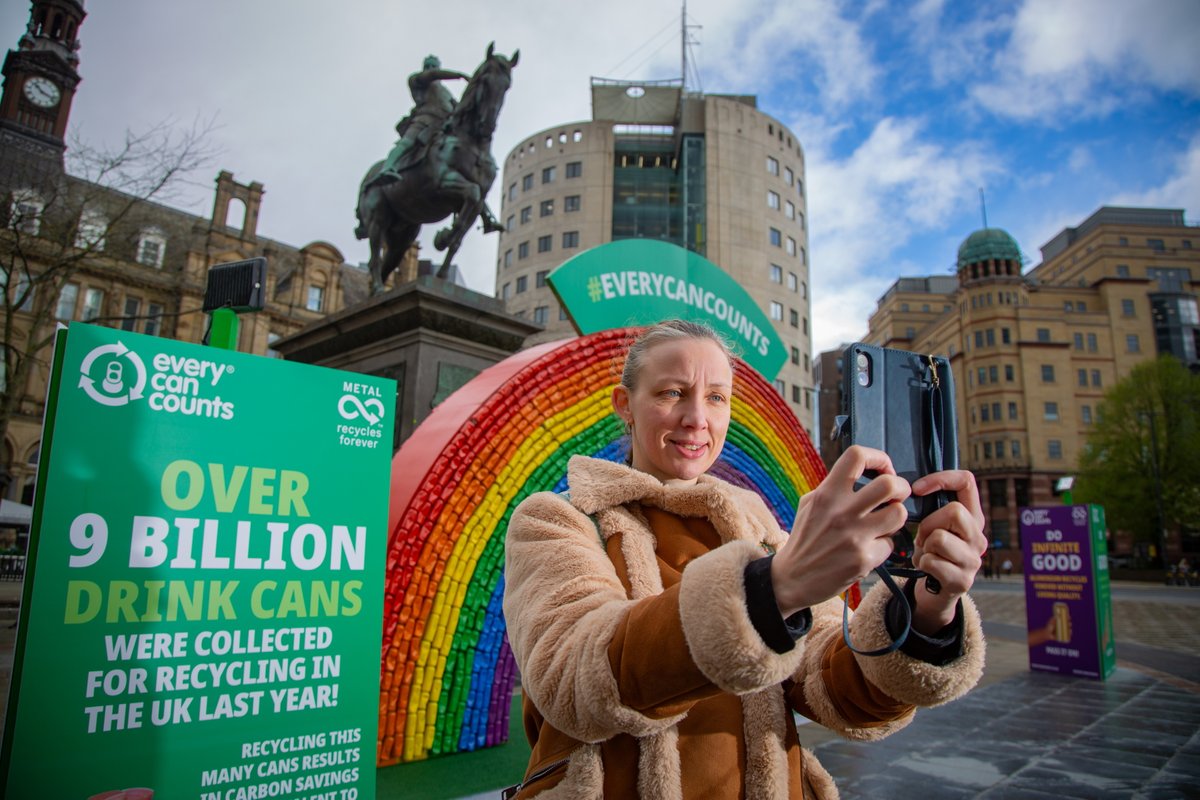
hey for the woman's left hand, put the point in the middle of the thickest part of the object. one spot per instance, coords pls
(949, 546)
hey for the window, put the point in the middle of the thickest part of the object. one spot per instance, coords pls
(804, 289)
(570, 239)
(1054, 449)
(512, 192)
(523, 250)
(794, 317)
(574, 169)
(154, 319)
(991, 337)
(562, 314)
(1122, 270)
(791, 246)
(775, 237)
(1050, 412)
(806, 362)
(1068, 306)
(541, 314)
(272, 338)
(570, 203)
(803, 256)
(788, 175)
(1043, 334)
(772, 166)
(508, 258)
(548, 174)
(1085, 414)
(1127, 308)
(526, 214)
(316, 298)
(780, 386)
(506, 292)
(91, 231)
(1047, 373)
(1132, 345)
(795, 355)
(545, 243)
(1078, 338)
(510, 223)
(804, 326)
(982, 376)
(789, 209)
(522, 284)
(776, 273)
(577, 136)
(987, 450)
(800, 219)
(1015, 449)
(1080, 306)
(1096, 378)
(546, 209)
(540, 279)
(994, 374)
(984, 413)
(27, 206)
(1083, 377)
(22, 295)
(999, 448)
(1091, 340)
(132, 307)
(978, 339)
(150, 247)
(1012, 410)
(527, 182)
(1005, 336)
(773, 200)
(800, 187)
(66, 301)
(1156, 245)
(776, 311)
(793, 282)
(795, 394)
(93, 304)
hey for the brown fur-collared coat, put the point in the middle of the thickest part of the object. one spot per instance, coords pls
(642, 673)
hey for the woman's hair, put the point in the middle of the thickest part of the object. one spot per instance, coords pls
(667, 331)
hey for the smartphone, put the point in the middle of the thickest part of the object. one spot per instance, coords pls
(903, 404)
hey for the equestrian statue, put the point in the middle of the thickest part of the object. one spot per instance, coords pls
(441, 165)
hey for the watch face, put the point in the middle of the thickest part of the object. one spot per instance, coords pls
(41, 92)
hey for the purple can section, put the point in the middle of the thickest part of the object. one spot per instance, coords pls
(1060, 591)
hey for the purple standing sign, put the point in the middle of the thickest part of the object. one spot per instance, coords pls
(1063, 590)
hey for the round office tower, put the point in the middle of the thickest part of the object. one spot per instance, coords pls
(710, 173)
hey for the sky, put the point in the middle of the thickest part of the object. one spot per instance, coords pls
(906, 109)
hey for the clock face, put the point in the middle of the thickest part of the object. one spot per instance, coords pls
(42, 92)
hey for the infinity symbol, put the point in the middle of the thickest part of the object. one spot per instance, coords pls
(360, 408)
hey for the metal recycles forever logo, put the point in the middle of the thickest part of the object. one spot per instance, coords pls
(351, 407)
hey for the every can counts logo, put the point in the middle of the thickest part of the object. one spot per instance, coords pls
(114, 375)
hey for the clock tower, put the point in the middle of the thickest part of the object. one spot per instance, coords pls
(40, 77)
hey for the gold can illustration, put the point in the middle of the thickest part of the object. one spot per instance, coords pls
(1062, 622)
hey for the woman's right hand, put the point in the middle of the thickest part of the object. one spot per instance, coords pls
(840, 534)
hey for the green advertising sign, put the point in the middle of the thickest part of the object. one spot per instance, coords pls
(203, 614)
(642, 281)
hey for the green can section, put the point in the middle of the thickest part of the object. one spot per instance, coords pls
(203, 612)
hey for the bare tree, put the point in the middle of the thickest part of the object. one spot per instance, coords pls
(58, 223)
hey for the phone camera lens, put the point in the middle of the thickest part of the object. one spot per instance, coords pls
(862, 360)
(862, 379)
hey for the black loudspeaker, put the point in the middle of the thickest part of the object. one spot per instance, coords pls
(238, 285)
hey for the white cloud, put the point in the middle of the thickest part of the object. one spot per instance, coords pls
(1180, 190)
(1084, 56)
(866, 208)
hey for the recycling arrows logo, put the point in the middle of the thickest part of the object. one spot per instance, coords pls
(115, 387)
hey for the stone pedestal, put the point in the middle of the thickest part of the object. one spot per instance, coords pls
(430, 336)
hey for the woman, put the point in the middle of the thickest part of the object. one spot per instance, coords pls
(665, 627)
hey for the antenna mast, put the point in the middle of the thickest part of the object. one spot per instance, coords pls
(683, 46)
(983, 206)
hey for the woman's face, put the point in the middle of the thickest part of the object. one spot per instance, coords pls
(679, 410)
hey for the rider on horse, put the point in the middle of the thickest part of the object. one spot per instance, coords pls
(433, 106)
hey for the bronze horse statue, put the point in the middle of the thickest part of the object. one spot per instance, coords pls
(453, 177)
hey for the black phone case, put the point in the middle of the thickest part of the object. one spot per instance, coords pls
(907, 410)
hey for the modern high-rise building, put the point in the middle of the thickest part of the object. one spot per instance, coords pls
(710, 173)
(1033, 353)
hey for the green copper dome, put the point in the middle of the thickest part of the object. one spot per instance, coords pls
(988, 244)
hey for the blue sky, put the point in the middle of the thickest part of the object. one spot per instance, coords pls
(905, 109)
